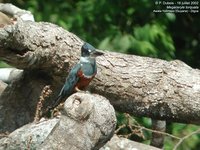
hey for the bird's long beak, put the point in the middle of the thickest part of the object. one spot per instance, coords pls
(96, 53)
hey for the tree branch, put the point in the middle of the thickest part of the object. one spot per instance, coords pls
(157, 139)
(117, 143)
(137, 85)
(8, 75)
(87, 122)
(15, 12)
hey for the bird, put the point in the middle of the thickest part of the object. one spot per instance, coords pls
(81, 74)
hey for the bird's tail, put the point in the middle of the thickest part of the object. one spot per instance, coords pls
(56, 102)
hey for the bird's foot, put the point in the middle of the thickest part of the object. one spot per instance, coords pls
(77, 89)
(81, 91)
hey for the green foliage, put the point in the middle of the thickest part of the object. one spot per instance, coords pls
(4, 65)
(115, 26)
(130, 127)
(176, 129)
(128, 26)
(125, 26)
(149, 40)
(182, 130)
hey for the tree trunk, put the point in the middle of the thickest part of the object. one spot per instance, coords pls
(141, 86)
(87, 123)
(138, 85)
(119, 143)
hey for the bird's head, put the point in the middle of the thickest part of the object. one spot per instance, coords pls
(88, 50)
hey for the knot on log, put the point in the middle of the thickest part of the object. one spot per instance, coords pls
(87, 122)
(79, 106)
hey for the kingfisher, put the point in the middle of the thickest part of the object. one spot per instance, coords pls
(81, 74)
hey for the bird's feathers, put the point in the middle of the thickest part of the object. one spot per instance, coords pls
(71, 81)
(69, 85)
(81, 74)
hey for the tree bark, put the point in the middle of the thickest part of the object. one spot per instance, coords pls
(141, 86)
(157, 139)
(119, 143)
(87, 123)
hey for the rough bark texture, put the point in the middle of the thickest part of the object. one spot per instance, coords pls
(117, 143)
(157, 139)
(138, 85)
(86, 123)
(29, 136)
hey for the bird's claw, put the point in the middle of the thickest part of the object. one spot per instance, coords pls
(77, 89)
(81, 91)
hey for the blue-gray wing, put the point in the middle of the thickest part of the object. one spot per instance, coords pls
(69, 85)
(71, 81)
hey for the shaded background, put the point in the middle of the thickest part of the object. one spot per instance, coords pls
(129, 27)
